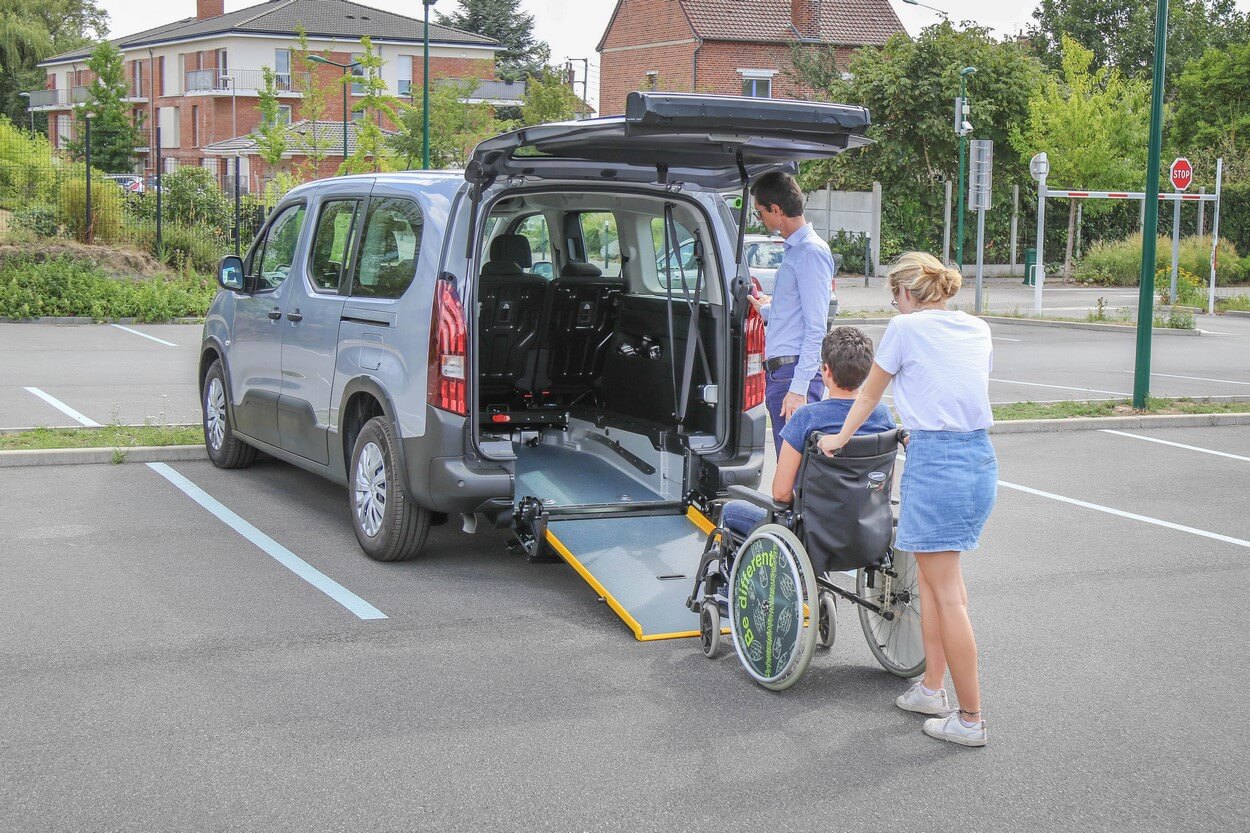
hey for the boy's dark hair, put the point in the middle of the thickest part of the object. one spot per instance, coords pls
(848, 353)
(779, 189)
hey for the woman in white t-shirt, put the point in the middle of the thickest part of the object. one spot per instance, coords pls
(939, 360)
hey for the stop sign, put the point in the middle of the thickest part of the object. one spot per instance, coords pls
(1182, 174)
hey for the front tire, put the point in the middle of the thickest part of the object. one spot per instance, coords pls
(388, 525)
(224, 449)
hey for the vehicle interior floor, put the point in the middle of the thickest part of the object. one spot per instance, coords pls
(567, 477)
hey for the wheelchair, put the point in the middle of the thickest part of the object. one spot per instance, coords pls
(776, 587)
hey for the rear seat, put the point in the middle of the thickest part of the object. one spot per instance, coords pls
(511, 320)
(582, 316)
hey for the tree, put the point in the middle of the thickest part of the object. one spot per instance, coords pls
(456, 127)
(548, 99)
(375, 103)
(1092, 124)
(1120, 33)
(502, 20)
(31, 30)
(114, 135)
(1212, 107)
(271, 134)
(314, 106)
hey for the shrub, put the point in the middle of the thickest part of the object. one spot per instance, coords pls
(107, 209)
(27, 169)
(39, 220)
(68, 286)
(1118, 262)
(191, 197)
(849, 244)
(192, 249)
(1189, 287)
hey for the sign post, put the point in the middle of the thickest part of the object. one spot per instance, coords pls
(1181, 174)
(1215, 234)
(1039, 167)
(979, 182)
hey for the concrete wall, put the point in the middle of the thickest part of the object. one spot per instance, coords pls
(851, 211)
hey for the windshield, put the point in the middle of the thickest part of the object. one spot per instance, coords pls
(765, 255)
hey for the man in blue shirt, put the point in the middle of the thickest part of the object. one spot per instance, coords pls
(797, 312)
(847, 355)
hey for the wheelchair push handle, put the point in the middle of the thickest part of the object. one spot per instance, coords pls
(871, 443)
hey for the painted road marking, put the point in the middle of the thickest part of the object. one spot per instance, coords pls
(1175, 445)
(1215, 536)
(270, 547)
(63, 408)
(1004, 338)
(1058, 387)
(1197, 378)
(144, 335)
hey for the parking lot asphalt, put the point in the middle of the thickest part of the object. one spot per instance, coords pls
(162, 672)
(104, 374)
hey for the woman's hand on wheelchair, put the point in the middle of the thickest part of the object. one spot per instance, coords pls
(830, 444)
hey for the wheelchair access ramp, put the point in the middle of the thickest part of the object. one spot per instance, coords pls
(642, 565)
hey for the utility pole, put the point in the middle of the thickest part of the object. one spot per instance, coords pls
(585, 75)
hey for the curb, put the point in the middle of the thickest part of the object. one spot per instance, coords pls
(80, 319)
(1039, 426)
(1081, 325)
(83, 456)
(1237, 313)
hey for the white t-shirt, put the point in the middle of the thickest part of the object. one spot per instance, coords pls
(941, 361)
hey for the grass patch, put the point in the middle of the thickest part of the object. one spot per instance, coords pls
(118, 437)
(1114, 407)
(1239, 303)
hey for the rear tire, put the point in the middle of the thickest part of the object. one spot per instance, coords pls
(224, 449)
(897, 644)
(388, 525)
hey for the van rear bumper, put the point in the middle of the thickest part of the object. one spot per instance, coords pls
(441, 477)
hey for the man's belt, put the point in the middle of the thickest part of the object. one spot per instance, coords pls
(778, 362)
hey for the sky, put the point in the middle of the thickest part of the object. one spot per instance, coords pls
(573, 27)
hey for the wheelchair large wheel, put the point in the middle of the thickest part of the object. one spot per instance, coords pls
(771, 581)
(897, 644)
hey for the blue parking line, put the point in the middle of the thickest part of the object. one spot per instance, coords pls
(270, 547)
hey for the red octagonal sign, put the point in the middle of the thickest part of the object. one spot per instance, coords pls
(1182, 174)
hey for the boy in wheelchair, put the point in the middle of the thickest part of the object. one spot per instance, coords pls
(847, 355)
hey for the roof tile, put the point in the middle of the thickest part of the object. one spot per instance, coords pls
(843, 22)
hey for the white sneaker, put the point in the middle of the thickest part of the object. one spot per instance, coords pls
(953, 729)
(915, 700)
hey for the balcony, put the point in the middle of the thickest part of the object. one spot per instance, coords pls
(41, 100)
(499, 93)
(247, 82)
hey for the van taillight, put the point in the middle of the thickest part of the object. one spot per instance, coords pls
(447, 350)
(753, 391)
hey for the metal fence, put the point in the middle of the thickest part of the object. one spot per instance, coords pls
(94, 188)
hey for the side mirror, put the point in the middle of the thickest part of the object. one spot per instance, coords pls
(543, 268)
(230, 273)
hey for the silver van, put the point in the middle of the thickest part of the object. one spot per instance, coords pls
(521, 343)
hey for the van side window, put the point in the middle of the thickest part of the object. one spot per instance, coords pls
(276, 254)
(603, 247)
(534, 229)
(681, 260)
(388, 251)
(332, 246)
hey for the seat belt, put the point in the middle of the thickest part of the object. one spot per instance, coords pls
(694, 341)
(679, 411)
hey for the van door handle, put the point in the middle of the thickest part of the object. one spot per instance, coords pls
(294, 316)
(275, 314)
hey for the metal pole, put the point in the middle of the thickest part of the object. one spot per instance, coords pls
(345, 116)
(1015, 216)
(867, 257)
(980, 255)
(159, 162)
(1146, 296)
(1039, 270)
(89, 228)
(425, 93)
(1176, 246)
(946, 228)
(237, 166)
(1202, 210)
(1080, 219)
(1215, 234)
(959, 211)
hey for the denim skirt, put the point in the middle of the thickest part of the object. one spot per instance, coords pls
(950, 481)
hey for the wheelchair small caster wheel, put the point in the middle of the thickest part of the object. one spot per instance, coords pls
(828, 627)
(709, 628)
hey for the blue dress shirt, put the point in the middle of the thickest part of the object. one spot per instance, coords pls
(798, 315)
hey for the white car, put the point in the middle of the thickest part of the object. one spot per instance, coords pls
(129, 183)
(763, 255)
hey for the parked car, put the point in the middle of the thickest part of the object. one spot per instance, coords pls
(130, 183)
(763, 255)
(388, 331)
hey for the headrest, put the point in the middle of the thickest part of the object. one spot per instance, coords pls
(511, 248)
(577, 269)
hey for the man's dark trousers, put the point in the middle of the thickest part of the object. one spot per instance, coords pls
(775, 390)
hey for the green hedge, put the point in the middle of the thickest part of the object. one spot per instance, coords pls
(1118, 262)
(66, 286)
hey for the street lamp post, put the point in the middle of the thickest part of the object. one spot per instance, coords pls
(962, 128)
(317, 59)
(425, 90)
(234, 135)
(944, 15)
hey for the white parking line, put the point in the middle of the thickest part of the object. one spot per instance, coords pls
(63, 408)
(1197, 378)
(1004, 338)
(270, 547)
(145, 335)
(1175, 445)
(1215, 536)
(1058, 387)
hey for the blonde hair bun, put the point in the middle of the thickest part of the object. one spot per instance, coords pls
(924, 276)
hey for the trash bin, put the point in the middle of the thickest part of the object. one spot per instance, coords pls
(1030, 266)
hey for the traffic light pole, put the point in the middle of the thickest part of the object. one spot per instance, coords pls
(1146, 295)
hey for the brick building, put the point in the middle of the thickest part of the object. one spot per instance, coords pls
(729, 47)
(199, 78)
